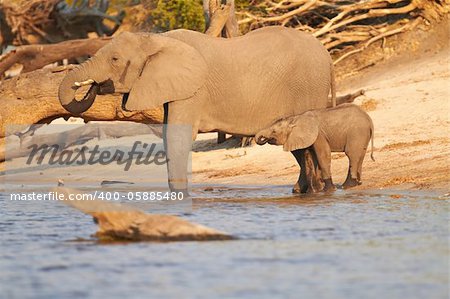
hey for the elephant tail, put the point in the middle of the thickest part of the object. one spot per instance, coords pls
(371, 137)
(333, 85)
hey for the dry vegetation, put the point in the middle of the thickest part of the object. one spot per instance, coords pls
(51, 21)
(345, 25)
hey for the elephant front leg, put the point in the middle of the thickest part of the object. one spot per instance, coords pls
(313, 172)
(301, 186)
(178, 136)
(309, 180)
(178, 143)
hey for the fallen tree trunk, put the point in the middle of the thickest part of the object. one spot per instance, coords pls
(34, 57)
(32, 98)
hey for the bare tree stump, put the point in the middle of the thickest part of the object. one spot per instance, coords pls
(219, 18)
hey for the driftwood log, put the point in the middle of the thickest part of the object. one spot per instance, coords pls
(125, 223)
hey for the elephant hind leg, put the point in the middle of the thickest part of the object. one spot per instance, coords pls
(360, 163)
(353, 166)
(350, 181)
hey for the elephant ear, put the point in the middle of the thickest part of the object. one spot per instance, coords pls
(175, 72)
(304, 132)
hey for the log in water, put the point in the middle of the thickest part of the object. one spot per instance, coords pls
(124, 223)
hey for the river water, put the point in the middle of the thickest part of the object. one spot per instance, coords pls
(371, 244)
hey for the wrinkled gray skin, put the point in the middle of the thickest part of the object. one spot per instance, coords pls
(345, 128)
(237, 86)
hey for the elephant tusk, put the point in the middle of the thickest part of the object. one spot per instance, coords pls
(84, 83)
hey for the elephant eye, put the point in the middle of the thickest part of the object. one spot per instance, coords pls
(115, 59)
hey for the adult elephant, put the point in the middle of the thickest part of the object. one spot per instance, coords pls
(237, 86)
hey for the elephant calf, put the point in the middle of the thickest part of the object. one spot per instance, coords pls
(345, 128)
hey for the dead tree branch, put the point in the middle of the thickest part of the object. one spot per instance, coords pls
(343, 24)
(404, 28)
(34, 57)
(50, 21)
(349, 98)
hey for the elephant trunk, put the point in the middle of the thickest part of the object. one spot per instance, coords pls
(72, 81)
(260, 139)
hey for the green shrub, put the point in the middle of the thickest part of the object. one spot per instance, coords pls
(161, 15)
(174, 14)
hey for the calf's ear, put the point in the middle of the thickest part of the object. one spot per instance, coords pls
(303, 134)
